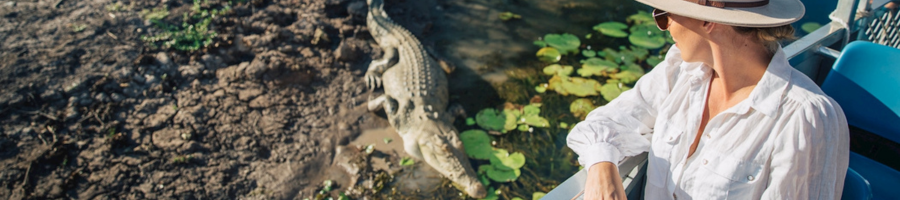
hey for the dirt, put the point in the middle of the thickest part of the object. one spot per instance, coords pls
(90, 111)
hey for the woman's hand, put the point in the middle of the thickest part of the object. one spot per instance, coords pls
(603, 182)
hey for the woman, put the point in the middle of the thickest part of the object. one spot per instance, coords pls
(724, 116)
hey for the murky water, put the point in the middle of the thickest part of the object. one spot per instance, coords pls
(497, 64)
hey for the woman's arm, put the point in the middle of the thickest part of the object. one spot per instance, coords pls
(611, 132)
(811, 155)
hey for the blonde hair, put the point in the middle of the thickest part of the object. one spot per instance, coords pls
(769, 36)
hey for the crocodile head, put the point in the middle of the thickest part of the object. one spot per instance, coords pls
(429, 136)
(437, 143)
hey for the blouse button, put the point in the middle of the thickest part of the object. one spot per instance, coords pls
(705, 161)
(750, 178)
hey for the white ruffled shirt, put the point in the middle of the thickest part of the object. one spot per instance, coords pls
(787, 140)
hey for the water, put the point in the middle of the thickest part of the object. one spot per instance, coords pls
(492, 52)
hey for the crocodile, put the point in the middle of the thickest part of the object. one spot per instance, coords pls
(416, 100)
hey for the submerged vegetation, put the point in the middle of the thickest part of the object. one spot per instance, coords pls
(519, 147)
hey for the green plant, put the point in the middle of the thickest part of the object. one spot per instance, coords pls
(477, 144)
(506, 16)
(116, 7)
(78, 27)
(194, 32)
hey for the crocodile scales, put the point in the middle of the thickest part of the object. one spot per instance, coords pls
(415, 100)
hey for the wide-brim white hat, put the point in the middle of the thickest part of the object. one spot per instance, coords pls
(771, 14)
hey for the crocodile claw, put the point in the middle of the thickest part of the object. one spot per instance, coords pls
(372, 80)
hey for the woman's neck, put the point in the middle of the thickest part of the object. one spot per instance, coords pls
(738, 67)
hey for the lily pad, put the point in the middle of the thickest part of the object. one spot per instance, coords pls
(491, 195)
(631, 74)
(563, 125)
(538, 195)
(549, 54)
(511, 121)
(477, 144)
(531, 109)
(581, 107)
(809, 27)
(565, 43)
(642, 17)
(470, 121)
(558, 70)
(612, 29)
(612, 90)
(540, 89)
(500, 175)
(490, 119)
(535, 120)
(502, 159)
(647, 36)
(517, 198)
(522, 127)
(540, 43)
(588, 53)
(654, 60)
(581, 87)
(596, 66)
(646, 41)
(639, 53)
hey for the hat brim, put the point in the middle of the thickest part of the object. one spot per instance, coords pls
(776, 13)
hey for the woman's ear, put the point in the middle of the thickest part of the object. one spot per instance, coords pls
(708, 26)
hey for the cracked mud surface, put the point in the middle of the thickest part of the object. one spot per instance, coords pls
(97, 114)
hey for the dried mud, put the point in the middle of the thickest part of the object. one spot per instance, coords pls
(97, 114)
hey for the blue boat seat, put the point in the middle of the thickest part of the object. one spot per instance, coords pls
(856, 187)
(865, 81)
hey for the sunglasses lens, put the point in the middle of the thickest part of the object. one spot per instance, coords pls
(662, 19)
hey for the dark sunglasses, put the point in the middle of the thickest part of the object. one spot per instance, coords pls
(662, 19)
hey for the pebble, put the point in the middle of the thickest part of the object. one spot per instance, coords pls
(163, 59)
(138, 79)
(151, 79)
(84, 100)
(78, 84)
(50, 95)
(116, 97)
(101, 97)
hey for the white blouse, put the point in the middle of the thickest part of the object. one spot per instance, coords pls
(787, 140)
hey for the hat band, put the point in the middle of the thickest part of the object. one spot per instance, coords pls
(721, 4)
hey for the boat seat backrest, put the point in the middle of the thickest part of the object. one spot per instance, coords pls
(865, 81)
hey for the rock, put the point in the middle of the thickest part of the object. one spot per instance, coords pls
(85, 100)
(212, 61)
(101, 97)
(168, 139)
(346, 52)
(246, 95)
(190, 71)
(51, 95)
(151, 79)
(116, 97)
(261, 102)
(189, 147)
(72, 113)
(138, 79)
(219, 93)
(163, 59)
(256, 68)
(75, 86)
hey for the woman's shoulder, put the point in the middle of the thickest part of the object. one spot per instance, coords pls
(803, 96)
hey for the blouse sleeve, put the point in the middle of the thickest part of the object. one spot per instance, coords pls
(811, 155)
(611, 132)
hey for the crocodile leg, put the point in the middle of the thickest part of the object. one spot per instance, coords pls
(377, 103)
(446, 66)
(453, 111)
(377, 67)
